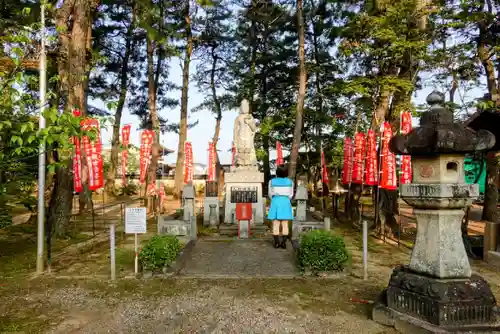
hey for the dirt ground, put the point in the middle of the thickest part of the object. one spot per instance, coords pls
(78, 298)
(53, 304)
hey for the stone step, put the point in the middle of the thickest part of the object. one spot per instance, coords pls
(232, 230)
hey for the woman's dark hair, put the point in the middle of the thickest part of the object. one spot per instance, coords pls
(282, 171)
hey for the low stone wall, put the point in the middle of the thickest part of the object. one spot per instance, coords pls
(167, 182)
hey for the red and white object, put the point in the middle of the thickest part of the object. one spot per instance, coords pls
(125, 142)
(279, 151)
(77, 160)
(188, 164)
(93, 152)
(145, 153)
(406, 172)
(371, 165)
(347, 170)
(388, 179)
(359, 157)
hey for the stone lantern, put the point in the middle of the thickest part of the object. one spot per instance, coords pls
(437, 291)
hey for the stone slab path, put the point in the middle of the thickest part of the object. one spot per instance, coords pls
(239, 258)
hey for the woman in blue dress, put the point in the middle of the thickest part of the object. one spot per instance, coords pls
(280, 210)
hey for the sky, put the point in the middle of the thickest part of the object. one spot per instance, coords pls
(201, 134)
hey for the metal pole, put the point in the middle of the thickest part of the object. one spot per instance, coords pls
(136, 260)
(112, 250)
(365, 249)
(41, 153)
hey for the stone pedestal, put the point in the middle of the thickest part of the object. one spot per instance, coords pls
(439, 250)
(248, 182)
(301, 223)
(189, 214)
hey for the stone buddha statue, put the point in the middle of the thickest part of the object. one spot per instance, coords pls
(245, 128)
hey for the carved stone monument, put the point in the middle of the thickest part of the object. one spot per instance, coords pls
(185, 227)
(211, 205)
(243, 184)
(437, 291)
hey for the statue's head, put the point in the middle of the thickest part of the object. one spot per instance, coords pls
(244, 107)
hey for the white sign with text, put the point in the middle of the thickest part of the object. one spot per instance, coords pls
(135, 220)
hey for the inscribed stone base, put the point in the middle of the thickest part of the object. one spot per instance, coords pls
(244, 179)
(439, 249)
(173, 227)
(207, 202)
(304, 227)
(415, 303)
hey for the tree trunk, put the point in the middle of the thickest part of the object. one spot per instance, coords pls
(490, 211)
(115, 141)
(181, 155)
(302, 93)
(155, 151)
(72, 66)
(218, 120)
(80, 56)
(492, 168)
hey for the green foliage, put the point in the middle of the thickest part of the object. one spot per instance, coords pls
(128, 190)
(322, 251)
(20, 137)
(160, 252)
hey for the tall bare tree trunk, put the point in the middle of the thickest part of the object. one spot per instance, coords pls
(155, 152)
(73, 69)
(302, 93)
(483, 51)
(181, 155)
(115, 141)
(218, 119)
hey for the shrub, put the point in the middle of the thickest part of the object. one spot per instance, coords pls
(322, 251)
(128, 190)
(161, 251)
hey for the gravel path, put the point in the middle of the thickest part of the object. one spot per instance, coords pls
(214, 310)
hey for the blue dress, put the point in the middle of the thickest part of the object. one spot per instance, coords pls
(281, 192)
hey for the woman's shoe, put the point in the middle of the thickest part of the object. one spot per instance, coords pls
(277, 241)
(283, 241)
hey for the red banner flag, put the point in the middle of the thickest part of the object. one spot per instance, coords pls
(347, 171)
(233, 155)
(405, 159)
(188, 164)
(125, 142)
(324, 170)
(77, 161)
(93, 152)
(371, 166)
(145, 153)
(279, 150)
(388, 179)
(211, 162)
(359, 157)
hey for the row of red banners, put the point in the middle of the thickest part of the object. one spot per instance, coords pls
(361, 163)
(93, 156)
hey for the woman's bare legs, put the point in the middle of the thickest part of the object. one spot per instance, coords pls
(276, 233)
(284, 232)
